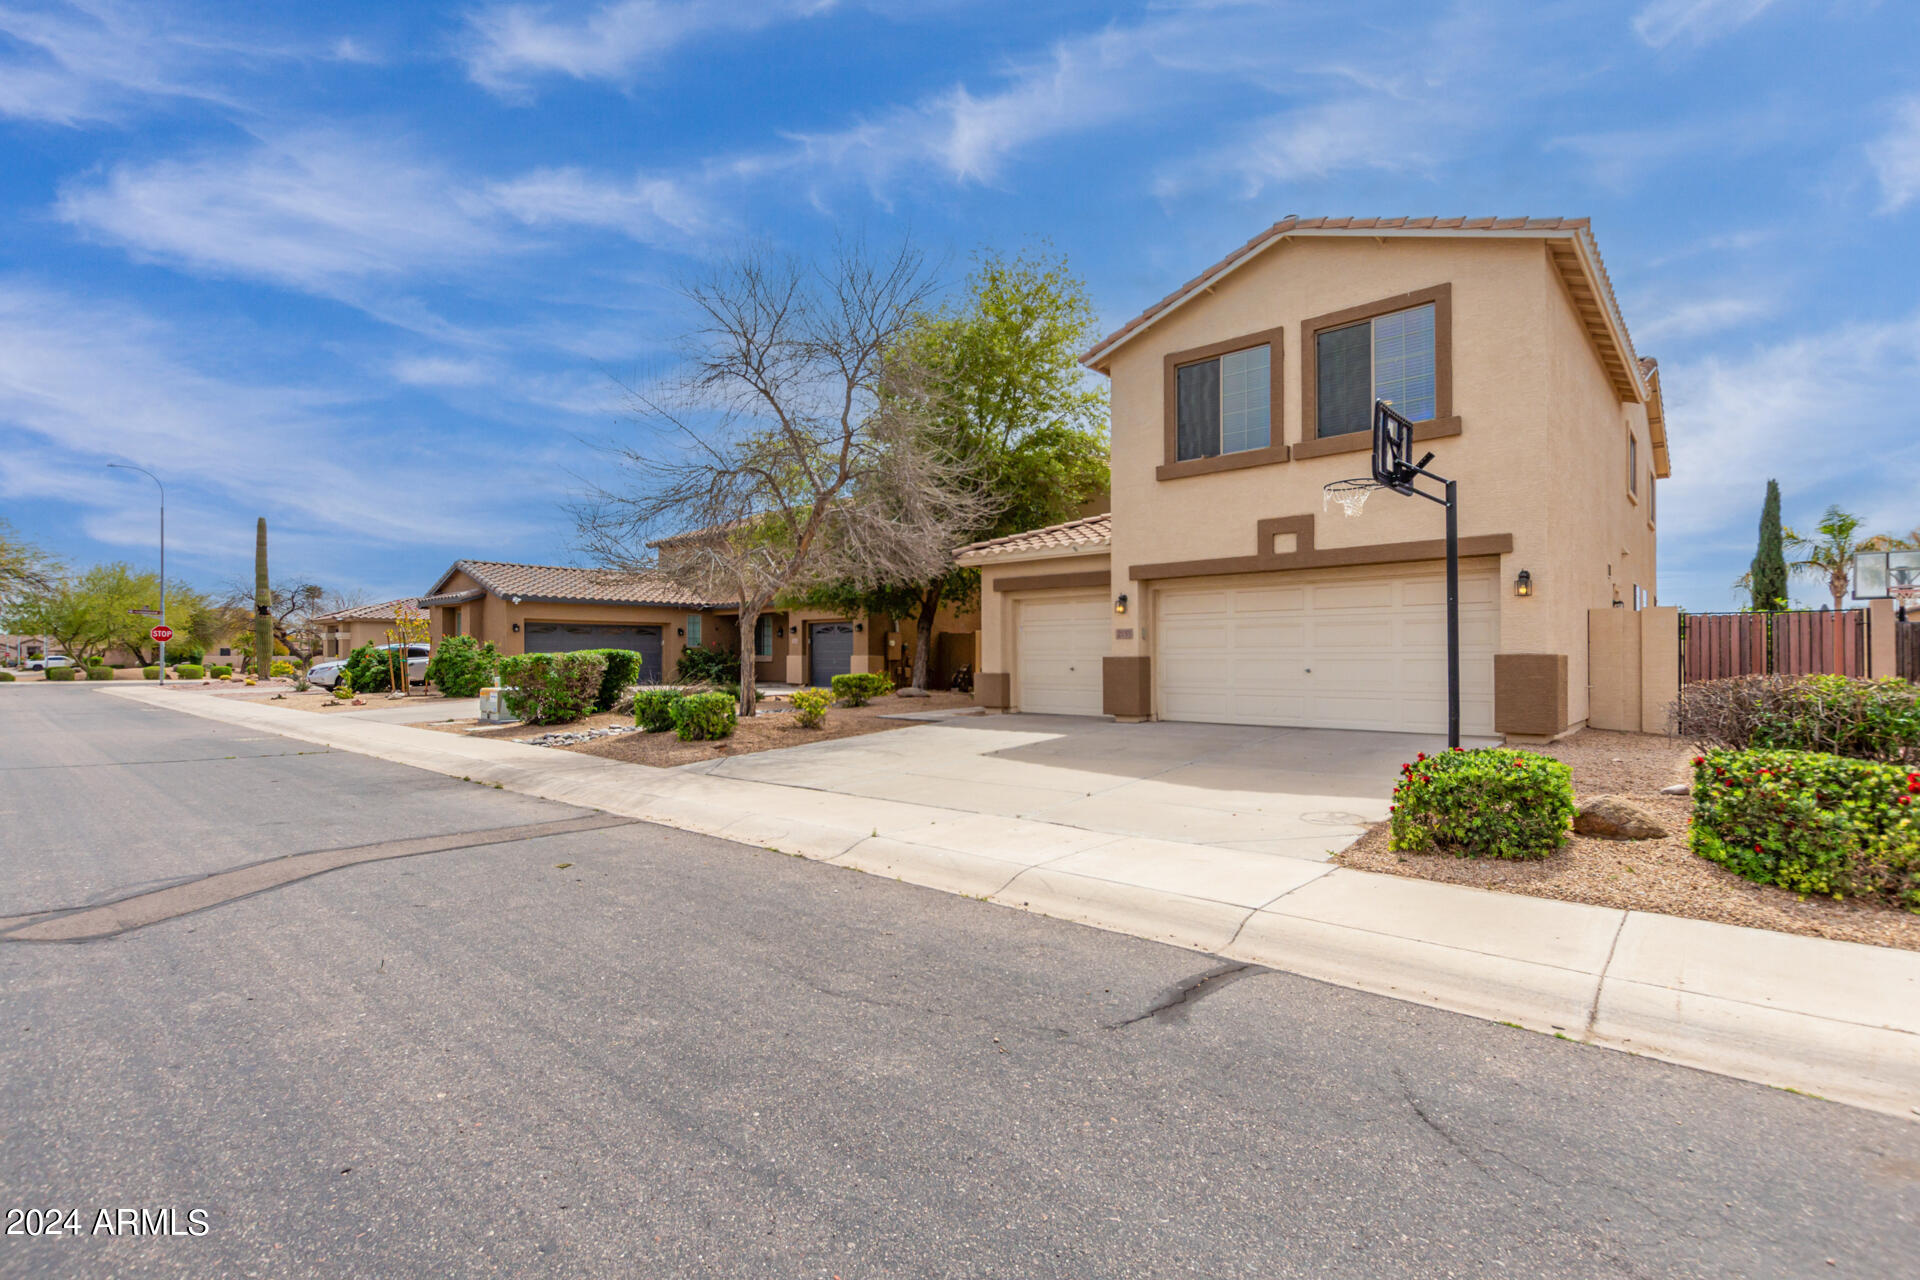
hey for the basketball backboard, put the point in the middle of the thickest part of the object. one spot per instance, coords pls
(1878, 575)
(1393, 464)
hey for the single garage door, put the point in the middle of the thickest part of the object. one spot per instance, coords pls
(832, 649)
(1060, 648)
(1329, 649)
(567, 637)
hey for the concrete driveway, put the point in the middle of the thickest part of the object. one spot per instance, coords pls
(1303, 793)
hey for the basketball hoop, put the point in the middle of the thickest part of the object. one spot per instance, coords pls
(1352, 495)
(1906, 597)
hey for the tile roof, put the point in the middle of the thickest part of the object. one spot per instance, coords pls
(1085, 534)
(382, 612)
(556, 584)
(1573, 228)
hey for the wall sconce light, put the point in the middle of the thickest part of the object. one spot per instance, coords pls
(679, 631)
(793, 631)
(1523, 585)
(858, 627)
(1120, 603)
(516, 628)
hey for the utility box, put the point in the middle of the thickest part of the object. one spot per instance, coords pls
(493, 707)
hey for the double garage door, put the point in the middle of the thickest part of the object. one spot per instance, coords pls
(1333, 649)
(570, 637)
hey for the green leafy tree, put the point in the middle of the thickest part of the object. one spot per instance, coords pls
(89, 613)
(1008, 400)
(1767, 579)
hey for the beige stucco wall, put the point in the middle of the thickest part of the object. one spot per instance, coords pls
(1541, 455)
(1635, 667)
(494, 619)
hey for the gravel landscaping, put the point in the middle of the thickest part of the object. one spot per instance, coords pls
(1642, 875)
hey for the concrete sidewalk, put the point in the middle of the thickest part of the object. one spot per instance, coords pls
(1835, 1019)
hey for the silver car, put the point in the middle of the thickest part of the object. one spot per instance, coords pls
(327, 674)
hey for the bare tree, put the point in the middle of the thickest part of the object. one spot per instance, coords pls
(293, 608)
(791, 444)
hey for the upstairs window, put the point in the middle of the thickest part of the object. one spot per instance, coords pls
(1633, 465)
(1388, 357)
(1225, 404)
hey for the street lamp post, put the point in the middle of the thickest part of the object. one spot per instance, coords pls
(122, 466)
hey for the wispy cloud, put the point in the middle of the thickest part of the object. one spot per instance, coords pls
(1895, 156)
(508, 46)
(1697, 22)
(87, 61)
(1695, 317)
(644, 207)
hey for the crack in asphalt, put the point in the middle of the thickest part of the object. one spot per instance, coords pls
(122, 764)
(1176, 1002)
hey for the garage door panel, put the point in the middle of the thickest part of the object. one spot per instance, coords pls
(1060, 648)
(1364, 651)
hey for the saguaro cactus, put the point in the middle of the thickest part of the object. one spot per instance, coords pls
(262, 605)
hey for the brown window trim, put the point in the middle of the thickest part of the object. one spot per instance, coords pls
(1362, 441)
(1306, 555)
(1652, 507)
(1633, 467)
(1173, 467)
(1441, 296)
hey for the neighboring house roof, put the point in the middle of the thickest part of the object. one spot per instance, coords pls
(382, 612)
(555, 584)
(1089, 533)
(699, 535)
(1570, 242)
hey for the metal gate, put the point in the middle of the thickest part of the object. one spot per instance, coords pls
(1802, 642)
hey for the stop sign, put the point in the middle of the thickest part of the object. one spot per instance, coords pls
(162, 633)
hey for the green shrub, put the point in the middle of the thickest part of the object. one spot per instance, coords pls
(862, 687)
(280, 668)
(343, 687)
(700, 716)
(368, 669)
(810, 706)
(92, 660)
(552, 688)
(653, 708)
(220, 670)
(151, 673)
(100, 671)
(190, 671)
(7, 677)
(62, 673)
(1864, 719)
(1811, 822)
(461, 666)
(701, 665)
(623, 671)
(1489, 803)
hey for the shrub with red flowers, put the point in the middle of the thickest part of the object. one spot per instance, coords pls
(1491, 803)
(1811, 822)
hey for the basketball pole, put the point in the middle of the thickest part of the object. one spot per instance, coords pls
(1453, 615)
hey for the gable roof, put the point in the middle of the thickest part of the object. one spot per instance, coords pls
(557, 584)
(1570, 245)
(1089, 533)
(382, 612)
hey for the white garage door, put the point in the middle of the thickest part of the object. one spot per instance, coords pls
(1061, 645)
(1328, 649)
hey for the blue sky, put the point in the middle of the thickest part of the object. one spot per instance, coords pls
(369, 269)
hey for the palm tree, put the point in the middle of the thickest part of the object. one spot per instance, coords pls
(1830, 557)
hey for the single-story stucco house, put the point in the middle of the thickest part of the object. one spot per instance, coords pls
(344, 630)
(1221, 587)
(529, 608)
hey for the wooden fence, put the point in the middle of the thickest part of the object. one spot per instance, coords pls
(1906, 650)
(1799, 643)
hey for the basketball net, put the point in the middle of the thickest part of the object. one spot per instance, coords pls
(1352, 495)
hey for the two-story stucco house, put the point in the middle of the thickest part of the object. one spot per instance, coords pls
(1223, 588)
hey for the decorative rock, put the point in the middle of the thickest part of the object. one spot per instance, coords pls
(911, 692)
(578, 735)
(1678, 789)
(1616, 818)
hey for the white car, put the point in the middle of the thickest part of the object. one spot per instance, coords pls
(327, 674)
(47, 664)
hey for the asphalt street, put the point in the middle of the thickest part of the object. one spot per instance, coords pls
(633, 1051)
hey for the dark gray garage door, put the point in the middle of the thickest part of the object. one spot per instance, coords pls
(832, 646)
(566, 637)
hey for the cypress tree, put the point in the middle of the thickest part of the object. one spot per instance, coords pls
(1769, 575)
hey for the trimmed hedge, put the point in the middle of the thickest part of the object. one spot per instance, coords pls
(190, 671)
(810, 707)
(1487, 803)
(220, 670)
(623, 672)
(63, 673)
(1864, 719)
(461, 666)
(701, 716)
(653, 708)
(1811, 822)
(551, 688)
(151, 673)
(7, 677)
(862, 687)
(101, 672)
